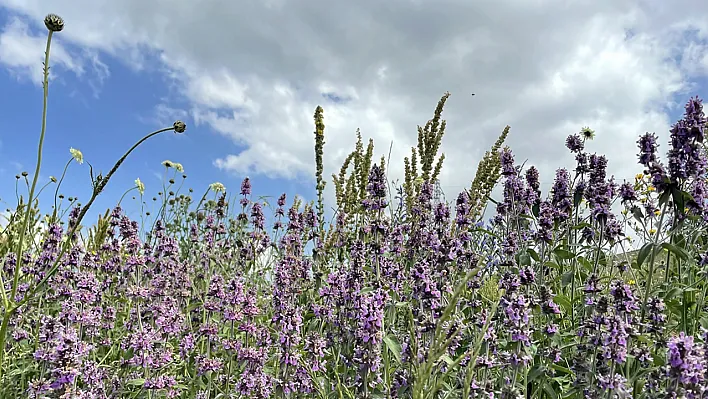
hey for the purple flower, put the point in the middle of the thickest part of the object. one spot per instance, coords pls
(686, 363)
(647, 149)
(246, 187)
(532, 178)
(574, 143)
(627, 192)
(507, 162)
(376, 189)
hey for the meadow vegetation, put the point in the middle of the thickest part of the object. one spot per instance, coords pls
(399, 295)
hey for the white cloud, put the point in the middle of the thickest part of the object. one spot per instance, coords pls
(22, 53)
(254, 72)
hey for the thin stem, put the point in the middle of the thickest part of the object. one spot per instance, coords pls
(25, 225)
(98, 188)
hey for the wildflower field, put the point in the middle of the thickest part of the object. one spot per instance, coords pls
(399, 295)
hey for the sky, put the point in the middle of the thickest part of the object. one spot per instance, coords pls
(246, 77)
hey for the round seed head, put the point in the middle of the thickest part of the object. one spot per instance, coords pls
(179, 127)
(54, 23)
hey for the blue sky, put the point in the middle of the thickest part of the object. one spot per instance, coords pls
(247, 76)
(103, 126)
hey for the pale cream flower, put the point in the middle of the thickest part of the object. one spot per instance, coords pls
(77, 155)
(217, 187)
(176, 165)
(141, 187)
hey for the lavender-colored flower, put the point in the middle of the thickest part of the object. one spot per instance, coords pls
(686, 159)
(246, 187)
(507, 162)
(561, 194)
(574, 143)
(376, 189)
(532, 176)
(647, 149)
(627, 192)
(686, 363)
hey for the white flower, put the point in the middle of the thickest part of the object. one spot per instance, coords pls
(77, 155)
(217, 187)
(170, 164)
(140, 186)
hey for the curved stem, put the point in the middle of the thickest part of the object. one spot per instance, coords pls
(98, 188)
(56, 192)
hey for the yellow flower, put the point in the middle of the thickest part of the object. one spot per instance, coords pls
(140, 186)
(77, 155)
(657, 212)
(652, 231)
(643, 199)
(624, 211)
(639, 176)
(631, 282)
(651, 188)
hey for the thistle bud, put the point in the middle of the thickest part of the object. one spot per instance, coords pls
(179, 127)
(54, 23)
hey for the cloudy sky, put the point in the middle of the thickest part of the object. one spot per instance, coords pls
(246, 76)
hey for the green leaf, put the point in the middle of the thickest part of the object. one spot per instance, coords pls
(637, 213)
(536, 209)
(138, 382)
(394, 346)
(567, 278)
(447, 359)
(524, 259)
(549, 390)
(535, 372)
(644, 252)
(679, 252)
(586, 263)
(563, 301)
(534, 255)
(577, 197)
(563, 254)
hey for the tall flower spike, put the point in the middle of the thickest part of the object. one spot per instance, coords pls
(54, 23)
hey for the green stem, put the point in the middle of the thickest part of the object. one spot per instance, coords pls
(652, 258)
(25, 225)
(98, 188)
